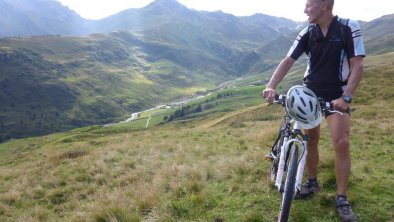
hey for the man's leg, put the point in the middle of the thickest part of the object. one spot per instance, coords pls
(312, 160)
(339, 126)
(312, 157)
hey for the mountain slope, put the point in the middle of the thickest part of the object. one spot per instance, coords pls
(57, 83)
(379, 35)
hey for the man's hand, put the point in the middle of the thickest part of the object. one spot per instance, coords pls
(269, 94)
(340, 105)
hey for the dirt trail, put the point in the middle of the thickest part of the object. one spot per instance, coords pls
(230, 115)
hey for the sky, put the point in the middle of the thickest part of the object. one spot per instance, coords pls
(365, 10)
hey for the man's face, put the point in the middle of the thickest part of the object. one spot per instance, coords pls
(313, 10)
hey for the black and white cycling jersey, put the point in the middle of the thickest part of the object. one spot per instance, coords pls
(329, 56)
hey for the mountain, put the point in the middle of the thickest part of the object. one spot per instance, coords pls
(379, 35)
(165, 51)
(170, 21)
(49, 17)
(39, 17)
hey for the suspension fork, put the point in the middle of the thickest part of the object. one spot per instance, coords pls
(301, 164)
(303, 153)
(289, 144)
(281, 165)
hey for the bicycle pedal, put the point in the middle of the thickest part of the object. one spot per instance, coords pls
(269, 157)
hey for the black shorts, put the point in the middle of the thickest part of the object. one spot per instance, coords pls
(328, 95)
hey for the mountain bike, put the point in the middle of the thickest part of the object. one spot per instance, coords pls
(288, 154)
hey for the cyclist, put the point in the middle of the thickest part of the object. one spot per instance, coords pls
(335, 52)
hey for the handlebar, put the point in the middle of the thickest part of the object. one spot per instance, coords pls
(325, 106)
(280, 99)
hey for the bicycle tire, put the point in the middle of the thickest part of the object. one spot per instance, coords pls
(288, 192)
(275, 162)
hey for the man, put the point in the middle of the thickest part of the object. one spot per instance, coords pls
(335, 53)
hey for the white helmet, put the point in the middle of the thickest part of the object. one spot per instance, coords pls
(303, 106)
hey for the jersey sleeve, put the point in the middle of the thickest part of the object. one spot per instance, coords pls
(300, 45)
(357, 48)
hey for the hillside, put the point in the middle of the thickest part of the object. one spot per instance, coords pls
(206, 168)
(56, 83)
(379, 35)
(71, 82)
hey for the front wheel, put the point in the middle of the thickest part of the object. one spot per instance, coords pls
(276, 152)
(288, 192)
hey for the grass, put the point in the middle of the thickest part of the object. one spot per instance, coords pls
(208, 168)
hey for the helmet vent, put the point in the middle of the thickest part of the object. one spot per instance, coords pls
(302, 118)
(301, 110)
(303, 101)
(309, 94)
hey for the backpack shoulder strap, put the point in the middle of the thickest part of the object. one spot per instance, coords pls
(310, 27)
(344, 22)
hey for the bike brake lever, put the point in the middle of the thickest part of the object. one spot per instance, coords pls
(329, 108)
(335, 111)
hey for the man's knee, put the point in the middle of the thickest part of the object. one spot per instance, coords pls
(342, 144)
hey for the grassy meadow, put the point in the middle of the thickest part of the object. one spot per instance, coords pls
(208, 167)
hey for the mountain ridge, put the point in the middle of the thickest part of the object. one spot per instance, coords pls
(67, 22)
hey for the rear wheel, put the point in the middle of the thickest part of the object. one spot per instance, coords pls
(288, 192)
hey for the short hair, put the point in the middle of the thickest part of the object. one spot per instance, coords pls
(330, 3)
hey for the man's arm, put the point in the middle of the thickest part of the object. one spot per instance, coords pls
(280, 72)
(357, 66)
